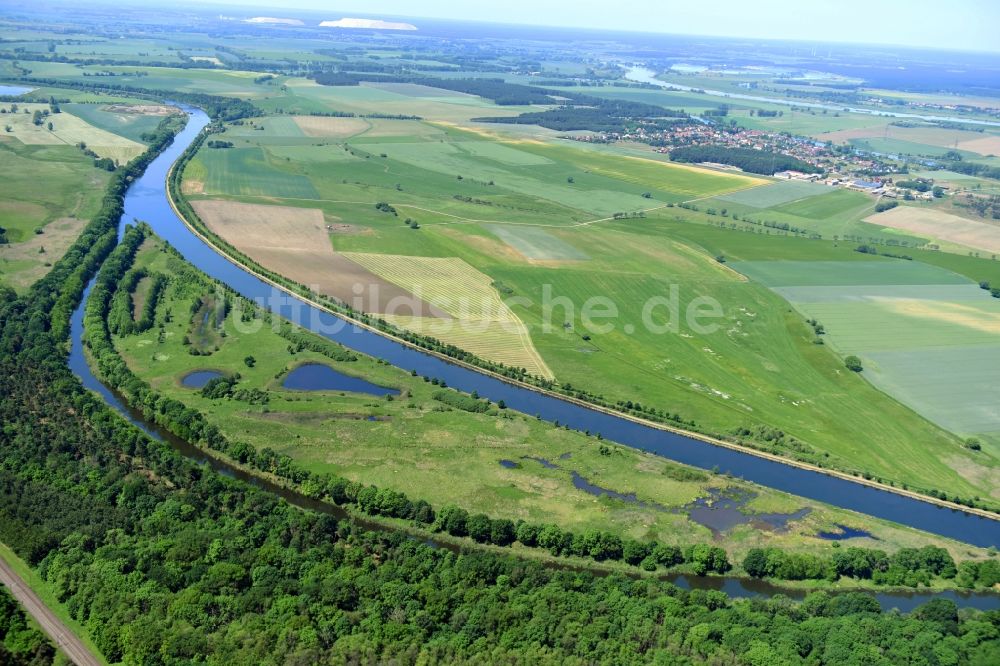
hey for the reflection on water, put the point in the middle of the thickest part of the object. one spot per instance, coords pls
(198, 378)
(321, 377)
(723, 510)
(844, 532)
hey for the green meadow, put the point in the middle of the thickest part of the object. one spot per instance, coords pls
(927, 336)
(47, 192)
(419, 445)
(129, 125)
(532, 215)
(247, 171)
(829, 212)
(776, 194)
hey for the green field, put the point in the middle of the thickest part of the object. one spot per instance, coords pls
(903, 147)
(775, 194)
(536, 243)
(247, 171)
(130, 125)
(831, 213)
(759, 366)
(51, 189)
(829, 273)
(925, 338)
(440, 454)
(825, 206)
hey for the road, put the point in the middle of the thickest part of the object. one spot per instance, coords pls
(67, 641)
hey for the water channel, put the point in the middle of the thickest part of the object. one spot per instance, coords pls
(147, 200)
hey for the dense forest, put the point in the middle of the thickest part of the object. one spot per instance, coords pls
(585, 112)
(749, 160)
(20, 643)
(497, 90)
(609, 118)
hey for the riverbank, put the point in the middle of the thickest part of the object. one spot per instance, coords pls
(222, 249)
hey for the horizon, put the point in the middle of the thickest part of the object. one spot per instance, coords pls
(969, 29)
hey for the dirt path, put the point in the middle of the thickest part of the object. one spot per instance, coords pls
(67, 641)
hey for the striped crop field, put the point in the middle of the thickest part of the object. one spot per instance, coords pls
(483, 323)
(928, 337)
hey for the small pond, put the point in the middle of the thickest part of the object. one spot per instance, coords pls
(197, 379)
(541, 461)
(844, 532)
(721, 511)
(509, 464)
(320, 377)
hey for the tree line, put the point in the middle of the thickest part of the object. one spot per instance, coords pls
(752, 161)
(909, 567)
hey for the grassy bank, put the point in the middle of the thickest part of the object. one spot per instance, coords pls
(430, 450)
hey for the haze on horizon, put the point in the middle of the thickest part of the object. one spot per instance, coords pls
(967, 25)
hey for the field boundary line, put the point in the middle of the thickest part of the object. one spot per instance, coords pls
(635, 419)
(471, 220)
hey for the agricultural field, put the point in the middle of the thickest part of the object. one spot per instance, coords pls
(67, 130)
(47, 194)
(128, 120)
(480, 321)
(829, 212)
(248, 171)
(921, 139)
(937, 225)
(295, 242)
(49, 188)
(298, 95)
(542, 231)
(535, 243)
(776, 194)
(926, 336)
(443, 171)
(417, 444)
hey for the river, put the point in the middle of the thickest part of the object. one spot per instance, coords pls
(644, 75)
(146, 200)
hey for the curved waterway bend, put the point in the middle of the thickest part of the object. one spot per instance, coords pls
(147, 200)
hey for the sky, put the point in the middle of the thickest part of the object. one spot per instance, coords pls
(953, 24)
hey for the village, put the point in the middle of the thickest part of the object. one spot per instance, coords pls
(839, 166)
